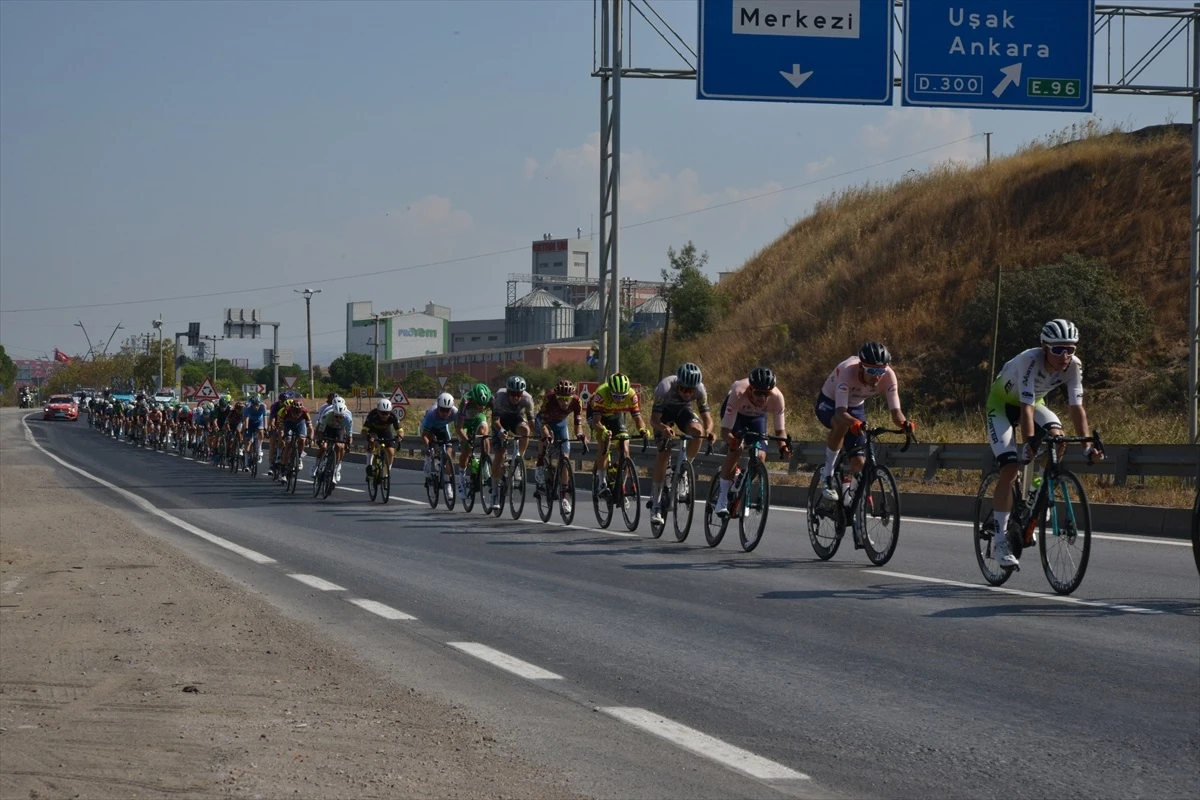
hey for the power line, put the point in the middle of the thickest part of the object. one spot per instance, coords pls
(462, 259)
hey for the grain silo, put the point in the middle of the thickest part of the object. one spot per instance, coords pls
(538, 317)
(588, 320)
(652, 314)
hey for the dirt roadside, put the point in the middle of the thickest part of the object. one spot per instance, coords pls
(128, 670)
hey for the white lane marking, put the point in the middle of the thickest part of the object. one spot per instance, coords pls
(704, 745)
(505, 662)
(12, 583)
(149, 508)
(387, 612)
(317, 583)
(1017, 592)
(1111, 536)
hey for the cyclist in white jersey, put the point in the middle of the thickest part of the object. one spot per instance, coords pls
(1018, 399)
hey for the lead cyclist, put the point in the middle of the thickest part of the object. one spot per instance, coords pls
(1018, 400)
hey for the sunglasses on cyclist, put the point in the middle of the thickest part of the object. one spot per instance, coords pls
(762, 393)
(874, 370)
(618, 395)
(687, 389)
(1063, 349)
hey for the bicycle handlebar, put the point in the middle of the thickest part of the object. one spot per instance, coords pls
(909, 439)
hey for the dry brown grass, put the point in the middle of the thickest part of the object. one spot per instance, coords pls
(896, 262)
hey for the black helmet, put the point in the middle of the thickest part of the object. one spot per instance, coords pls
(689, 376)
(874, 353)
(762, 379)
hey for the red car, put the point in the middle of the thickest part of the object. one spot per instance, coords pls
(61, 406)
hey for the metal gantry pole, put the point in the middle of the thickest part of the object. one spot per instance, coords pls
(376, 343)
(614, 177)
(275, 362)
(605, 94)
(178, 367)
(1194, 284)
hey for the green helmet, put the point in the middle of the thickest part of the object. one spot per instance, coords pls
(480, 394)
(618, 383)
(227, 397)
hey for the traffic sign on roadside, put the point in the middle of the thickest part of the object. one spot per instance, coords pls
(399, 397)
(206, 391)
(815, 51)
(442, 380)
(401, 413)
(1021, 54)
(290, 380)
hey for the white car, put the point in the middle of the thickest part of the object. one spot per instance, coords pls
(164, 396)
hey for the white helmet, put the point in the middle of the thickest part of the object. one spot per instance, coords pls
(339, 405)
(445, 400)
(1060, 331)
(384, 405)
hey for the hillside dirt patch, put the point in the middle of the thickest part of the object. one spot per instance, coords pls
(127, 670)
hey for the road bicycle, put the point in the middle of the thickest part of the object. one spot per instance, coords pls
(749, 496)
(323, 479)
(379, 474)
(558, 486)
(1055, 503)
(440, 480)
(478, 481)
(872, 510)
(291, 469)
(678, 491)
(621, 484)
(253, 451)
(512, 480)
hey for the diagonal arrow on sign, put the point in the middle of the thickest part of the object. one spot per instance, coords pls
(796, 77)
(1012, 74)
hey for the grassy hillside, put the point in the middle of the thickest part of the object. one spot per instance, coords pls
(898, 262)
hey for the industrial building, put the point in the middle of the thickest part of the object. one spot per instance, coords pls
(485, 365)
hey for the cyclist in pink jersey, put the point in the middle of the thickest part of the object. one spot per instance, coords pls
(841, 407)
(745, 409)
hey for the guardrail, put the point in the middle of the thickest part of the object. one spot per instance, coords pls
(1122, 461)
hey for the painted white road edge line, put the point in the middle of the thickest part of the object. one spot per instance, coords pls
(506, 662)
(1018, 592)
(149, 508)
(316, 583)
(704, 745)
(954, 524)
(387, 612)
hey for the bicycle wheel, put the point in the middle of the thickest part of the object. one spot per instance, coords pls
(516, 488)
(683, 499)
(714, 526)
(327, 483)
(602, 504)
(293, 472)
(755, 505)
(253, 465)
(824, 520)
(1065, 535)
(565, 489)
(319, 476)
(385, 483)
(985, 530)
(545, 495)
(878, 515)
(449, 489)
(657, 528)
(373, 478)
(631, 500)
(485, 486)
(433, 485)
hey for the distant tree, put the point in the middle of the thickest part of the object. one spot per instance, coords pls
(1112, 322)
(696, 306)
(8, 370)
(352, 369)
(418, 383)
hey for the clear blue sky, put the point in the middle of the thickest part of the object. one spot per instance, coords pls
(156, 150)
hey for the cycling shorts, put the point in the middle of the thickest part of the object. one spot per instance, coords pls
(440, 434)
(743, 424)
(559, 429)
(299, 429)
(614, 423)
(825, 411)
(470, 425)
(1003, 419)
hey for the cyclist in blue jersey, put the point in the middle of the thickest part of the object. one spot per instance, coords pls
(435, 426)
(254, 417)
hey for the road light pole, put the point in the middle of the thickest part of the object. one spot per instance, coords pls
(214, 340)
(308, 293)
(375, 342)
(158, 323)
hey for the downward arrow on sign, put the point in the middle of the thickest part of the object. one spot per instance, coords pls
(796, 77)
(1012, 74)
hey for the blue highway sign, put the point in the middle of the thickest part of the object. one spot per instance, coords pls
(1024, 54)
(810, 51)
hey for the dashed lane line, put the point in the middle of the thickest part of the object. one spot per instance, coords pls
(506, 662)
(316, 583)
(703, 745)
(375, 607)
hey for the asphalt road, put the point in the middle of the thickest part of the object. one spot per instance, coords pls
(828, 677)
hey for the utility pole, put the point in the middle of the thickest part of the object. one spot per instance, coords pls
(375, 343)
(110, 338)
(991, 376)
(308, 293)
(988, 135)
(158, 323)
(214, 340)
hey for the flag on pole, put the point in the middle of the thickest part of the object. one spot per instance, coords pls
(59, 355)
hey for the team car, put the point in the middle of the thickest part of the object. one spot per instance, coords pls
(61, 406)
